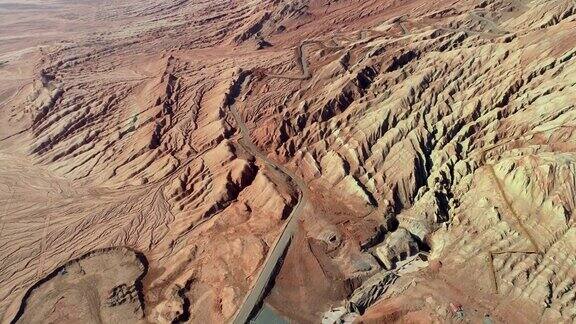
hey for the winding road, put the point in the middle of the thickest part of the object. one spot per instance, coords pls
(258, 288)
(301, 60)
(300, 55)
(255, 295)
(256, 292)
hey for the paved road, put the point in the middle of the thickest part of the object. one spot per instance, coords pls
(301, 51)
(302, 61)
(256, 292)
(255, 295)
(258, 288)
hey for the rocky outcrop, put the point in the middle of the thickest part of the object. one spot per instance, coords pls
(103, 285)
(371, 291)
(415, 125)
(397, 246)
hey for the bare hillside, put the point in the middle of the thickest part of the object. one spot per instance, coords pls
(416, 159)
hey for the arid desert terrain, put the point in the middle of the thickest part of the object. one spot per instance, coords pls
(328, 161)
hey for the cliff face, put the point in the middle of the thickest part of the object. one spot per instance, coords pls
(436, 140)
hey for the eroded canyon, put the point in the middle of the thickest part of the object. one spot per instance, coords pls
(407, 161)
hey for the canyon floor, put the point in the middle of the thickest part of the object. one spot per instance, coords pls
(380, 161)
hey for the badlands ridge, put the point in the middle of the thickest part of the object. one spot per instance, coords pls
(155, 155)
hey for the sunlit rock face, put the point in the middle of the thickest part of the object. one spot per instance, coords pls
(436, 141)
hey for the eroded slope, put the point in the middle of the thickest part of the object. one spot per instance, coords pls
(418, 126)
